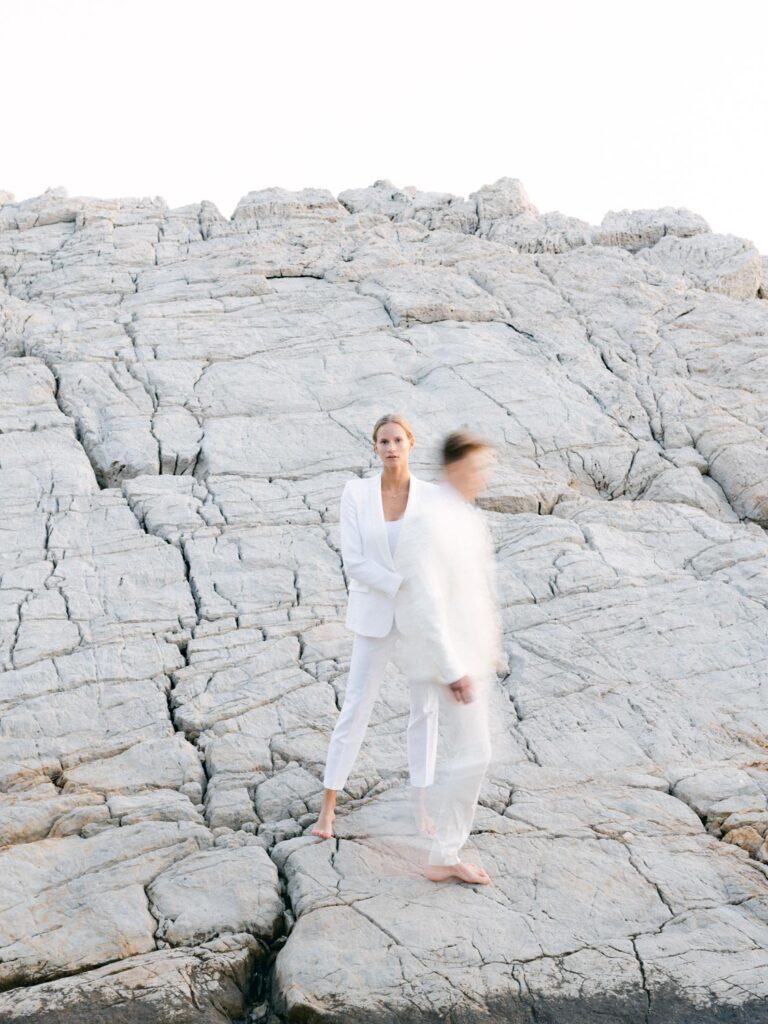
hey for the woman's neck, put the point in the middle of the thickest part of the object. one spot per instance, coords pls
(395, 478)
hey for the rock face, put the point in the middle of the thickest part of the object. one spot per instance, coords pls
(181, 400)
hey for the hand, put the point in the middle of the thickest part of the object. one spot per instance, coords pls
(462, 690)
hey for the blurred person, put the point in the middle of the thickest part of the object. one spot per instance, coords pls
(451, 636)
(372, 512)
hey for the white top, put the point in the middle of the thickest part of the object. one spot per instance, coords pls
(393, 529)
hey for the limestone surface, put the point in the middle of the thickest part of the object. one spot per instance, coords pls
(182, 398)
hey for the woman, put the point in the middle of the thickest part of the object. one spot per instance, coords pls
(372, 511)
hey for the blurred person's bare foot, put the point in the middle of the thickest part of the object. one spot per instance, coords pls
(471, 873)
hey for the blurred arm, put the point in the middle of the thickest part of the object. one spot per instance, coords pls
(419, 560)
(366, 570)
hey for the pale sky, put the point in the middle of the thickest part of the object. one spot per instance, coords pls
(593, 105)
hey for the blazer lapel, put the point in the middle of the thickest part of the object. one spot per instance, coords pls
(376, 511)
(376, 515)
(414, 497)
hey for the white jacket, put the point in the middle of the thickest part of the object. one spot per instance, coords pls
(447, 607)
(373, 579)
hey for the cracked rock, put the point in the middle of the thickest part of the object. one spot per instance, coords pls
(182, 399)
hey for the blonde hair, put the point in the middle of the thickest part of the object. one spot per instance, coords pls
(394, 417)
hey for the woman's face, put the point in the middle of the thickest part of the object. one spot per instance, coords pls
(392, 445)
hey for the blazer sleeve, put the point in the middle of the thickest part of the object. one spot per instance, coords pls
(420, 561)
(356, 565)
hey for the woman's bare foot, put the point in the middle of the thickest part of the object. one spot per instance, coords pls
(324, 826)
(424, 821)
(471, 873)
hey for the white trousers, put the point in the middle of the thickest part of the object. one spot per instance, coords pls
(368, 662)
(468, 754)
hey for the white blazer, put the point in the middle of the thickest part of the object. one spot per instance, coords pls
(447, 606)
(373, 579)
